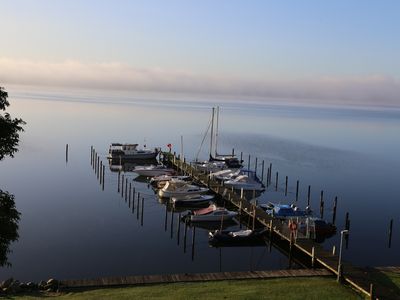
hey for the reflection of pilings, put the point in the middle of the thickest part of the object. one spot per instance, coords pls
(309, 195)
(179, 228)
(276, 181)
(297, 190)
(390, 233)
(286, 185)
(321, 205)
(122, 183)
(104, 172)
(97, 166)
(130, 191)
(119, 179)
(172, 222)
(133, 199)
(66, 153)
(347, 227)
(334, 211)
(126, 188)
(193, 240)
(141, 218)
(101, 172)
(91, 155)
(262, 171)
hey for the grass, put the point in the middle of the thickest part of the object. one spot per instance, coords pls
(282, 288)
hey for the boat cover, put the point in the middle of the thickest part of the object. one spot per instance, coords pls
(204, 211)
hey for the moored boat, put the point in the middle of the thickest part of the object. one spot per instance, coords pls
(153, 170)
(192, 200)
(130, 151)
(180, 189)
(284, 211)
(237, 238)
(210, 214)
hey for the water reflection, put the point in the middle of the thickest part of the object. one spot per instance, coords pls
(9, 219)
(128, 165)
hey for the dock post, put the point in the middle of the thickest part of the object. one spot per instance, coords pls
(286, 185)
(312, 257)
(142, 211)
(91, 155)
(270, 229)
(130, 193)
(179, 228)
(241, 157)
(119, 179)
(297, 190)
(122, 188)
(371, 291)
(137, 206)
(390, 233)
(241, 194)
(104, 171)
(254, 217)
(321, 205)
(276, 182)
(126, 188)
(334, 211)
(66, 153)
(262, 171)
(133, 199)
(268, 175)
(248, 164)
(233, 152)
(97, 167)
(101, 172)
(184, 237)
(309, 195)
(193, 240)
(255, 167)
(172, 222)
(333, 250)
(347, 227)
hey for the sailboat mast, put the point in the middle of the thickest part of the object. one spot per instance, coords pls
(216, 133)
(212, 131)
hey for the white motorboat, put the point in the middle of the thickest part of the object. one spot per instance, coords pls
(150, 171)
(180, 189)
(226, 174)
(209, 166)
(130, 151)
(189, 200)
(212, 214)
(160, 181)
(244, 182)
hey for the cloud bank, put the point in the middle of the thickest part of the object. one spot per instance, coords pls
(372, 90)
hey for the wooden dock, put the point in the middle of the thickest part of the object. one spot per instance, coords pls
(354, 276)
(195, 277)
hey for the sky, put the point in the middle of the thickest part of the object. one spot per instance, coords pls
(344, 51)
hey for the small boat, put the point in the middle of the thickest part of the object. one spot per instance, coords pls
(192, 200)
(180, 189)
(284, 211)
(130, 151)
(209, 166)
(226, 174)
(160, 181)
(211, 213)
(237, 238)
(153, 170)
(245, 182)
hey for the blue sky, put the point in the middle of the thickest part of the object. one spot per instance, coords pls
(262, 44)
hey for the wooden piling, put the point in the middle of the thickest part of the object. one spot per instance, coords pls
(233, 152)
(122, 183)
(276, 182)
(104, 172)
(254, 217)
(119, 179)
(313, 257)
(390, 233)
(179, 228)
(184, 236)
(262, 171)
(166, 217)
(126, 188)
(309, 195)
(142, 212)
(248, 164)
(101, 172)
(66, 152)
(270, 173)
(297, 190)
(130, 191)
(334, 211)
(286, 185)
(137, 206)
(255, 167)
(91, 155)
(193, 240)
(371, 291)
(172, 222)
(241, 157)
(321, 205)
(97, 166)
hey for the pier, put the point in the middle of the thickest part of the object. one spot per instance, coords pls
(354, 276)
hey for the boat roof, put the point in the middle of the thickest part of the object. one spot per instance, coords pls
(126, 144)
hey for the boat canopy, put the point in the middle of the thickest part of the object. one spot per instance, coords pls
(204, 211)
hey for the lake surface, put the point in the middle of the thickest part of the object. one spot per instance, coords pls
(70, 228)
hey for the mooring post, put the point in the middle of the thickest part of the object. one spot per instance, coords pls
(286, 185)
(297, 190)
(312, 257)
(241, 157)
(193, 240)
(184, 237)
(262, 171)
(179, 228)
(255, 167)
(321, 205)
(233, 152)
(137, 206)
(241, 194)
(95, 161)
(97, 166)
(126, 187)
(133, 199)
(347, 227)
(91, 155)
(119, 179)
(122, 188)
(172, 222)
(276, 182)
(254, 217)
(66, 152)
(141, 218)
(334, 211)
(130, 192)
(101, 172)
(104, 171)
(248, 164)
(166, 217)
(371, 291)
(333, 250)
(309, 196)
(390, 232)
(270, 173)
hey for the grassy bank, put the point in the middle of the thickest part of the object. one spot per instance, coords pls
(283, 288)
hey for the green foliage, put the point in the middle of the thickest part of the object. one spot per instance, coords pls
(9, 128)
(9, 218)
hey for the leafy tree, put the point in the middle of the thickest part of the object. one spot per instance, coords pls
(9, 215)
(9, 128)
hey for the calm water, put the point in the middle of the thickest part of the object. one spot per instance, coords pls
(70, 228)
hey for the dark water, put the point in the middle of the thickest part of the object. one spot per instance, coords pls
(70, 228)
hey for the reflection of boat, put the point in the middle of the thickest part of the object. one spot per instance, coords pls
(192, 200)
(237, 238)
(211, 213)
(127, 165)
(180, 189)
(284, 211)
(213, 225)
(315, 228)
(130, 151)
(245, 182)
(152, 170)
